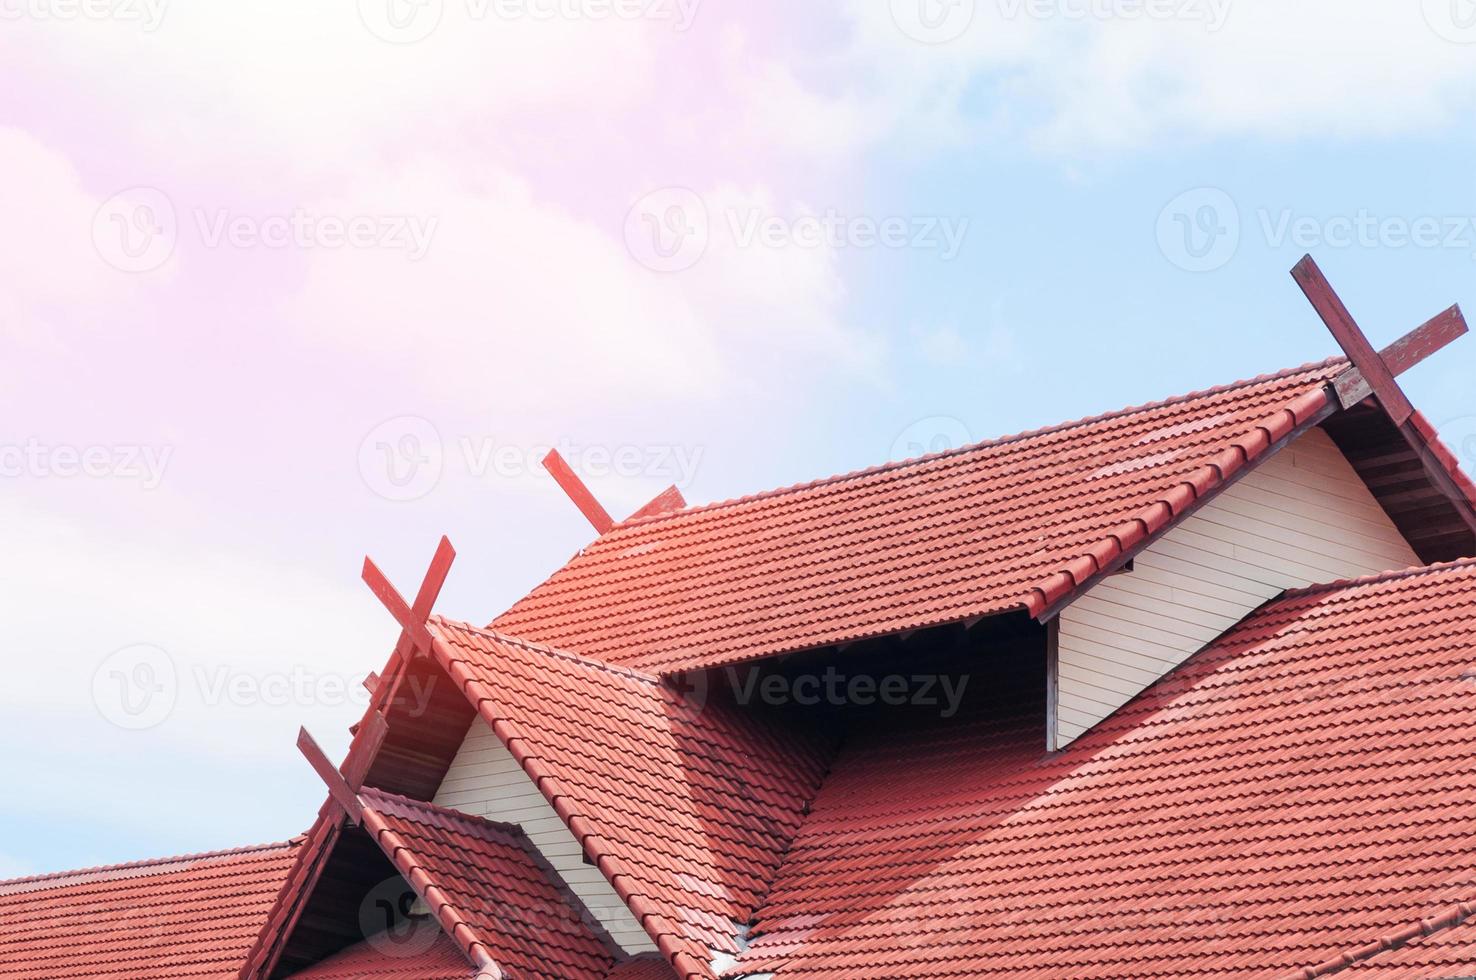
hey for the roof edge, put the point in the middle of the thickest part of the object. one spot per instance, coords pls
(1452, 916)
(141, 869)
(663, 934)
(1392, 575)
(1307, 368)
(1197, 488)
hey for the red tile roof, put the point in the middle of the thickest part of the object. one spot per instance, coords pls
(1013, 523)
(1431, 949)
(1302, 788)
(370, 959)
(488, 888)
(686, 808)
(646, 967)
(192, 916)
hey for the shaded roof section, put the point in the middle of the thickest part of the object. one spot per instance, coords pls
(687, 807)
(193, 916)
(1302, 788)
(370, 959)
(488, 889)
(1013, 523)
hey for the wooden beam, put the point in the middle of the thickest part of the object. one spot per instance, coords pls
(664, 502)
(413, 625)
(338, 787)
(365, 746)
(574, 487)
(1409, 350)
(1350, 337)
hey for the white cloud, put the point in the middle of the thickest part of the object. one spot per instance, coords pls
(1327, 68)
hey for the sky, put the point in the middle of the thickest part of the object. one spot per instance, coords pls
(285, 284)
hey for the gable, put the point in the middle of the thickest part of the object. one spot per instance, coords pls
(1303, 516)
(486, 781)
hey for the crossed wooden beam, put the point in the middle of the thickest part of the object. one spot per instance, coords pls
(1376, 372)
(577, 491)
(415, 639)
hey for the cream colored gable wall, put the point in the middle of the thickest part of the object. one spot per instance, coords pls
(1302, 517)
(486, 781)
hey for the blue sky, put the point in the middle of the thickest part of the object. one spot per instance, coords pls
(1068, 151)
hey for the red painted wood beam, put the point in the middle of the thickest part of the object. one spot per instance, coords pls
(365, 746)
(338, 787)
(574, 487)
(665, 502)
(1350, 337)
(1426, 339)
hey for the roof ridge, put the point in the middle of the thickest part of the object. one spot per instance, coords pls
(56, 878)
(1392, 575)
(511, 829)
(1448, 918)
(1308, 368)
(546, 650)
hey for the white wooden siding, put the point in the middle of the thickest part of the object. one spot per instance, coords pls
(486, 781)
(1303, 516)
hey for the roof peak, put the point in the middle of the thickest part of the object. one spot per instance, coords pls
(60, 879)
(1309, 368)
(549, 651)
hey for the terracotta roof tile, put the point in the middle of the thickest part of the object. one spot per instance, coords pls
(1013, 523)
(487, 888)
(1300, 789)
(192, 916)
(686, 807)
(373, 961)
